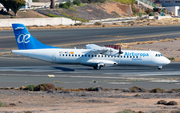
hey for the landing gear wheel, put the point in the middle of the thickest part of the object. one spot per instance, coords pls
(97, 67)
(159, 67)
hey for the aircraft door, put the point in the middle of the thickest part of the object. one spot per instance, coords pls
(54, 57)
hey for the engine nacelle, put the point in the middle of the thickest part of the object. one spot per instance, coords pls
(101, 63)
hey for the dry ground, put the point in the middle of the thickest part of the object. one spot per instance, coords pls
(63, 104)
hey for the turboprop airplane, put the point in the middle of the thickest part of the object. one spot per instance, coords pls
(94, 55)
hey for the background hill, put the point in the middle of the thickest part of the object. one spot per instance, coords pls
(85, 11)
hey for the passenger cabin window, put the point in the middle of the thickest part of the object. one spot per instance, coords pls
(88, 55)
(78, 55)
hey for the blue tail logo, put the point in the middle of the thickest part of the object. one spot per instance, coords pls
(25, 40)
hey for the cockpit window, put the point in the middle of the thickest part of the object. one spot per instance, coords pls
(158, 55)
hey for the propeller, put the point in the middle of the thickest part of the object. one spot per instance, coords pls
(120, 52)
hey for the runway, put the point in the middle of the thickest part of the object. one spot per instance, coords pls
(100, 36)
(16, 71)
(30, 71)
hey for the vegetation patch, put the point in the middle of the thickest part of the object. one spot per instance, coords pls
(2, 104)
(51, 15)
(125, 1)
(98, 23)
(171, 58)
(30, 87)
(44, 87)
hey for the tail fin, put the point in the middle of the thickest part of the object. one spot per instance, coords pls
(25, 40)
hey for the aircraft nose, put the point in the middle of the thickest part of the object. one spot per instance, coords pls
(166, 61)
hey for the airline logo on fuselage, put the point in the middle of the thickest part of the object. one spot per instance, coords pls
(136, 54)
(23, 38)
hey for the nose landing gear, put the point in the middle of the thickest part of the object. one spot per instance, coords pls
(159, 67)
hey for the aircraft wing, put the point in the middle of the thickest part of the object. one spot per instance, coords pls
(96, 49)
(94, 46)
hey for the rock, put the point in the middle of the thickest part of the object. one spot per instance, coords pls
(171, 103)
(126, 90)
(19, 102)
(162, 102)
(51, 91)
(8, 87)
(12, 104)
(17, 88)
(137, 89)
(58, 88)
(99, 88)
(157, 90)
(22, 87)
(137, 95)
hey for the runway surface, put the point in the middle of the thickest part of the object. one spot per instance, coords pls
(100, 36)
(15, 71)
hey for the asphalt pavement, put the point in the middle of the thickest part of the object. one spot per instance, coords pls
(101, 36)
(16, 71)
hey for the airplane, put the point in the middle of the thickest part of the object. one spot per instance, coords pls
(94, 55)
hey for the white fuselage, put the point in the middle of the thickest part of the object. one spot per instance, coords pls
(87, 57)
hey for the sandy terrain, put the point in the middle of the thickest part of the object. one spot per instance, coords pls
(86, 102)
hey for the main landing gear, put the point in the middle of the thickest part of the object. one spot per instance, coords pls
(98, 66)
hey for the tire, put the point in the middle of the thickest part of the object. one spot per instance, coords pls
(97, 67)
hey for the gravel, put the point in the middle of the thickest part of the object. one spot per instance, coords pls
(108, 94)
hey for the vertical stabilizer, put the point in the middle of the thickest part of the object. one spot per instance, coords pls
(25, 40)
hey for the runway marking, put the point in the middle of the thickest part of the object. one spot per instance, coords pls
(2, 37)
(51, 76)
